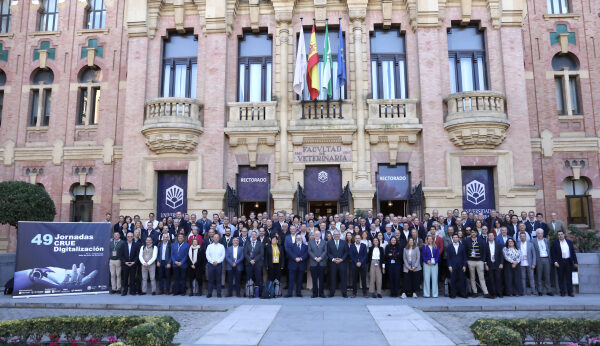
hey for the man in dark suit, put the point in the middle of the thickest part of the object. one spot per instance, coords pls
(128, 253)
(296, 257)
(532, 224)
(457, 265)
(513, 228)
(493, 265)
(540, 218)
(254, 253)
(358, 256)
(163, 265)
(565, 260)
(179, 258)
(118, 227)
(317, 254)
(337, 252)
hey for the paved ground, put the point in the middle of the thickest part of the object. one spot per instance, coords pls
(307, 321)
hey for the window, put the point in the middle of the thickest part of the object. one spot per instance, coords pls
(89, 96)
(255, 68)
(82, 206)
(96, 14)
(466, 53)
(338, 93)
(2, 83)
(48, 16)
(578, 200)
(558, 6)
(566, 84)
(4, 16)
(180, 55)
(41, 93)
(388, 65)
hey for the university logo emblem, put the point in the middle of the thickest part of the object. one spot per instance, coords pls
(174, 197)
(323, 177)
(475, 192)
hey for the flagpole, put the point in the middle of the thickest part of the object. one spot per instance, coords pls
(339, 86)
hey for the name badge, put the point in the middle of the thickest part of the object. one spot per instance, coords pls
(433, 261)
(376, 263)
(393, 261)
(114, 253)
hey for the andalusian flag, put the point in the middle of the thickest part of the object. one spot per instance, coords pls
(327, 83)
(312, 70)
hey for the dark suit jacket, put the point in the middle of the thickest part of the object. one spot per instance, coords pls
(457, 260)
(381, 256)
(341, 252)
(358, 255)
(556, 252)
(498, 255)
(167, 252)
(239, 262)
(293, 252)
(259, 253)
(131, 256)
(269, 257)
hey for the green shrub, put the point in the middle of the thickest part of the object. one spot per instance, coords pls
(21, 201)
(517, 331)
(133, 330)
(585, 240)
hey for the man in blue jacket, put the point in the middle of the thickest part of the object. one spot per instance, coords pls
(179, 254)
(358, 256)
(234, 265)
(296, 258)
(163, 265)
(457, 264)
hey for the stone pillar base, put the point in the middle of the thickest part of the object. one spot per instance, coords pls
(283, 199)
(363, 197)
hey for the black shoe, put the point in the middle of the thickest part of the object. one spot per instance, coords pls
(133, 293)
(288, 296)
(550, 294)
(142, 293)
(124, 293)
(452, 297)
(313, 296)
(322, 295)
(331, 295)
(562, 294)
(299, 295)
(473, 295)
(344, 295)
(191, 294)
(488, 296)
(540, 294)
(365, 295)
(353, 295)
(153, 293)
(571, 295)
(379, 295)
(209, 296)
(218, 295)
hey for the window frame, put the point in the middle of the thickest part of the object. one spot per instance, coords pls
(5, 15)
(396, 58)
(44, 14)
(173, 62)
(563, 5)
(565, 77)
(39, 113)
(247, 61)
(91, 116)
(90, 14)
(477, 56)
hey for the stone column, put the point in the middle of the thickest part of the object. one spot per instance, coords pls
(283, 191)
(362, 190)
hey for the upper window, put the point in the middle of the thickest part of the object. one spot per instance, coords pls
(96, 14)
(89, 96)
(338, 93)
(566, 84)
(558, 6)
(180, 55)
(4, 16)
(41, 94)
(579, 206)
(466, 51)
(48, 16)
(388, 65)
(255, 68)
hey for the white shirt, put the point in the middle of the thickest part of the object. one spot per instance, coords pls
(154, 224)
(235, 250)
(543, 249)
(164, 250)
(456, 247)
(492, 247)
(564, 248)
(215, 252)
(357, 247)
(523, 249)
(152, 259)
(376, 254)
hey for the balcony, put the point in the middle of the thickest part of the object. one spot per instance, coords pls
(172, 124)
(476, 119)
(317, 115)
(252, 117)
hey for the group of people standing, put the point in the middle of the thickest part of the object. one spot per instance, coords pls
(501, 255)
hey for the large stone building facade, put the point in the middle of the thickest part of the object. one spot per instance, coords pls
(122, 106)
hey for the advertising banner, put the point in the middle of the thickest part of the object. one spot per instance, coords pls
(393, 183)
(253, 184)
(478, 190)
(62, 258)
(171, 194)
(322, 183)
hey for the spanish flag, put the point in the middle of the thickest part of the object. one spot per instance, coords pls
(312, 69)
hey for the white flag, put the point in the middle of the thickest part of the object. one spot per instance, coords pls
(300, 71)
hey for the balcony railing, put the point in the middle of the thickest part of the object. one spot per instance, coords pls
(482, 101)
(392, 112)
(172, 124)
(316, 109)
(476, 119)
(251, 116)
